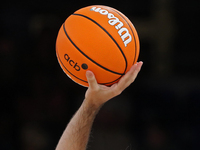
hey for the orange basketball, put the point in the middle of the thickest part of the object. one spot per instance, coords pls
(100, 39)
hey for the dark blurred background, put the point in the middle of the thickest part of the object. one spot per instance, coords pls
(160, 111)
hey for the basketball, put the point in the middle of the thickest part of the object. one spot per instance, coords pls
(100, 39)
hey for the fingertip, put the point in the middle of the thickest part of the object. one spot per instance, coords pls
(140, 63)
(89, 74)
(139, 66)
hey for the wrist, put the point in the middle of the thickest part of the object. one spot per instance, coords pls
(91, 106)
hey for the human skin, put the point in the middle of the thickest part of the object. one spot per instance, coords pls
(76, 134)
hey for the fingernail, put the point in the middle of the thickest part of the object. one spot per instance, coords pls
(89, 74)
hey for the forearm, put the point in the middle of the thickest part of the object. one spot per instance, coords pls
(76, 134)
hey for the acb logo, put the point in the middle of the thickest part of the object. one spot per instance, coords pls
(75, 64)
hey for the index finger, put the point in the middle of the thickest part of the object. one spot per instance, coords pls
(130, 76)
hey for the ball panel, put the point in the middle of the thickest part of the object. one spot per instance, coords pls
(71, 62)
(99, 46)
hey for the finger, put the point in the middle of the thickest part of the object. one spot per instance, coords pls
(130, 76)
(91, 79)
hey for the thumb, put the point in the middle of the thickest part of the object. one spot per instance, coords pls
(91, 79)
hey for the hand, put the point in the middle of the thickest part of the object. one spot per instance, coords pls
(97, 95)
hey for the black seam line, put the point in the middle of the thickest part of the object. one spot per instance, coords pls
(110, 37)
(131, 31)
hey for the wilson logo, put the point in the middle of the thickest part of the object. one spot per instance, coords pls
(114, 21)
